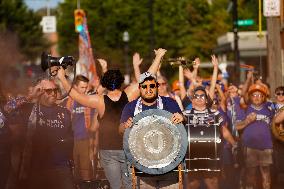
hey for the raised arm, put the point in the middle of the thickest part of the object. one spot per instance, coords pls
(215, 63)
(189, 75)
(196, 64)
(222, 97)
(157, 60)
(132, 91)
(137, 60)
(247, 83)
(181, 83)
(92, 101)
(103, 64)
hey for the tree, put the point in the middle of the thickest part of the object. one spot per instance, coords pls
(185, 28)
(15, 18)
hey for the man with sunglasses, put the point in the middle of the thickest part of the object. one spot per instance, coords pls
(254, 122)
(279, 97)
(202, 113)
(49, 141)
(109, 107)
(149, 99)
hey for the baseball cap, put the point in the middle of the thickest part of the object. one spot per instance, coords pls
(258, 87)
(146, 75)
(199, 88)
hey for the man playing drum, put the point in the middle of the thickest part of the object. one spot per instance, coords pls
(202, 111)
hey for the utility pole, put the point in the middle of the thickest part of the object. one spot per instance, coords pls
(78, 4)
(236, 42)
(125, 39)
(275, 76)
(274, 64)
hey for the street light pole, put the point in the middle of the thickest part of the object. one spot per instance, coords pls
(236, 40)
(125, 39)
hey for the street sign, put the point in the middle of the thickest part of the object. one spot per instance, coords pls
(271, 8)
(48, 24)
(247, 22)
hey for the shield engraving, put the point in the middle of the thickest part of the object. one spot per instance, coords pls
(153, 144)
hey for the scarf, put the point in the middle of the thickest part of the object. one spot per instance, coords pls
(138, 106)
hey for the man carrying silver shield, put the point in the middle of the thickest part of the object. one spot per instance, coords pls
(150, 99)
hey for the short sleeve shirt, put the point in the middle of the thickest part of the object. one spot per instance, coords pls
(168, 104)
(257, 134)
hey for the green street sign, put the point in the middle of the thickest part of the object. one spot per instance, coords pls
(247, 22)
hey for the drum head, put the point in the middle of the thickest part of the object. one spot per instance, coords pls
(153, 144)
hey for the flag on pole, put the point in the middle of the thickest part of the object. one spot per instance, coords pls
(86, 63)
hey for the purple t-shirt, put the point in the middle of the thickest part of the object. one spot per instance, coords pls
(257, 134)
(168, 104)
(233, 106)
(52, 138)
(78, 121)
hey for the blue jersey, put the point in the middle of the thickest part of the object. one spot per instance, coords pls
(168, 104)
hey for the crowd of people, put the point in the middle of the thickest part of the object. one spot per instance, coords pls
(53, 143)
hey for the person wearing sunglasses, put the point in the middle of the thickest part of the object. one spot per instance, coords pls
(49, 140)
(203, 113)
(254, 122)
(279, 97)
(109, 107)
(149, 99)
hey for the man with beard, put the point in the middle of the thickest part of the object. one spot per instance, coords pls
(150, 99)
(109, 107)
(254, 122)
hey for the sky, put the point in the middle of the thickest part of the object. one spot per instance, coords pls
(37, 4)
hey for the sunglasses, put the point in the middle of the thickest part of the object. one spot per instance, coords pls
(257, 95)
(196, 96)
(51, 90)
(152, 86)
(280, 93)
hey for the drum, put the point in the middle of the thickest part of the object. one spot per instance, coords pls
(154, 145)
(204, 143)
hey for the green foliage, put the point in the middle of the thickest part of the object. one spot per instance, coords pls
(185, 27)
(16, 18)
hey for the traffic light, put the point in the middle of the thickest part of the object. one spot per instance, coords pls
(79, 15)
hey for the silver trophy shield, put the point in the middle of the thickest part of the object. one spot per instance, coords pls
(154, 145)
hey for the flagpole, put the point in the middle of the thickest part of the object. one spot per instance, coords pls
(78, 4)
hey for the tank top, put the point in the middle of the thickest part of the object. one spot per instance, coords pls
(109, 137)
